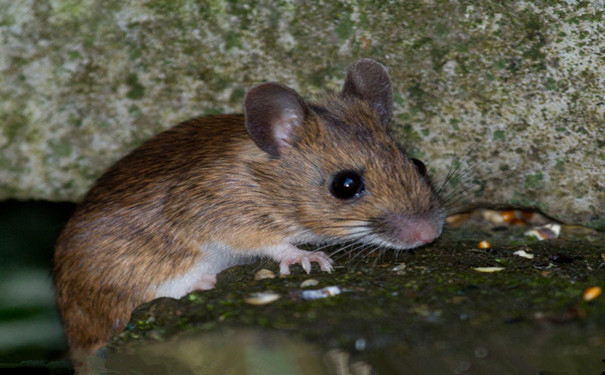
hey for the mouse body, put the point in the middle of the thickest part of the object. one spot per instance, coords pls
(221, 190)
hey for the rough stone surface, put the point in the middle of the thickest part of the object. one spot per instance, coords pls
(429, 311)
(515, 89)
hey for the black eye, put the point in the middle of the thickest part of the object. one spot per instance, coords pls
(346, 184)
(420, 167)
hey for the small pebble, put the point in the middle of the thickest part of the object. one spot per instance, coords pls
(329, 291)
(484, 245)
(488, 269)
(555, 228)
(360, 344)
(524, 254)
(457, 220)
(592, 293)
(546, 232)
(262, 298)
(493, 216)
(398, 268)
(264, 274)
(508, 215)
(309, 282)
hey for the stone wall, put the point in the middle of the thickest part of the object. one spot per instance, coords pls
(514, 89)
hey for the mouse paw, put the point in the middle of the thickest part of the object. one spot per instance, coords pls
(293, 255)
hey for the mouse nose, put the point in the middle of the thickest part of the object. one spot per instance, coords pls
(419, 231)
(416, 231)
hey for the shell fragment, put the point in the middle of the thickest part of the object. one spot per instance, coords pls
(524, 254)
(488, 269)
(262, 298)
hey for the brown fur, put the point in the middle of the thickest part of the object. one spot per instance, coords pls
(144, 220)
(206, 181)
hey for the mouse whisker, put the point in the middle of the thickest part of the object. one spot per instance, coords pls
(321, 247)
(456, 201)
(453, 169)
(362, 254)
(344, 248)
(455, 190)
(344, 226)
(457, 193)
(349, 249)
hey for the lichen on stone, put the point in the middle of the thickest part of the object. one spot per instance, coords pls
(515, 84)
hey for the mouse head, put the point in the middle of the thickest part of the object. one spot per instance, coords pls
(335, 171)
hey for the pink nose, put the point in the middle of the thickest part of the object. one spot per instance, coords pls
(415, 231)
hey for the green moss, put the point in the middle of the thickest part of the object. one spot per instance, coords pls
(213, 111)
(439, 56)
(65, 9)
(232, 40)
(534, 181)
(165, 6)
(560, 166)
(14, 123)
(61, 149)
(498, 49)
(501, 64)
(437, 299)
(597, 223)
(137, 91)
(410, 134)
(344, 28)
(454, 123)
(520, 200)
(135, 53)
(135, 110)
(499, 135)
(74, 55)
(398, 99)
(551, 84)
(417, 96)
(238, 95)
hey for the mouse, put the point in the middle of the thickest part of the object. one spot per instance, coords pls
(217, 191)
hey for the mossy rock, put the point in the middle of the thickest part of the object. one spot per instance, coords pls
(513, 89)
(430, 311)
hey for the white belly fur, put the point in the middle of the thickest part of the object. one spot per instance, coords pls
(202, 276)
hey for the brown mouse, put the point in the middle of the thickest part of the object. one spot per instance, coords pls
(217, 191)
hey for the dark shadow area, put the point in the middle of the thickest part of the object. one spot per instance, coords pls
(31, 338)
(29, 230)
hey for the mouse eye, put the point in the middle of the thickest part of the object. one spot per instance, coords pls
(420, 167)
(346, 184)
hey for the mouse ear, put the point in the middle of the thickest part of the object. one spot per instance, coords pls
(272, 111)
(368, 80)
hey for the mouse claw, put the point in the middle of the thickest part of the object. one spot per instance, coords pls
(306, 264)
(284, 268)
(325, 262)
(289, 254)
